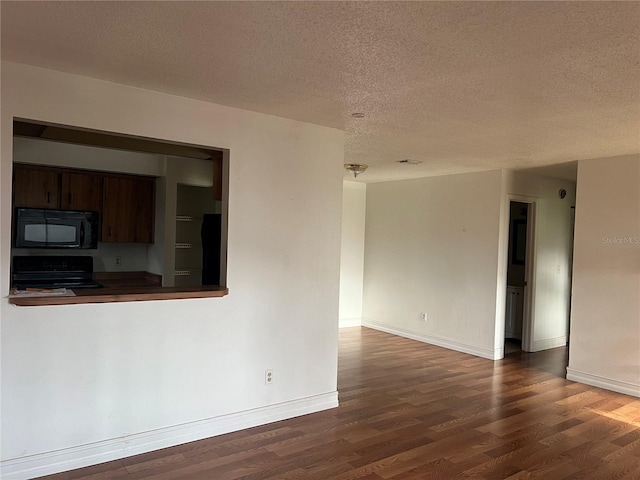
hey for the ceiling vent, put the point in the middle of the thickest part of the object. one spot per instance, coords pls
(408, 161)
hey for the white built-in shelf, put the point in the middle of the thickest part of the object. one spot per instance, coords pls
(187, 218)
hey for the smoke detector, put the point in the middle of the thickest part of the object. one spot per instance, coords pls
(408, 161)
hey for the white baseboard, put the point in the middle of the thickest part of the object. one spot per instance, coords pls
(84, 455)
(547, 343)
(349, 322)
(491, 354)
(603, 382)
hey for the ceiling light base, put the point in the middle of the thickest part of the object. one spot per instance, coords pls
(355, 168)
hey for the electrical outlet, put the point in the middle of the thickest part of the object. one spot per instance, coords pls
(118, 261)
(268, 377)
(423, 317)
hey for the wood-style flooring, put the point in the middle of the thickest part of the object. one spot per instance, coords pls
(409, 410)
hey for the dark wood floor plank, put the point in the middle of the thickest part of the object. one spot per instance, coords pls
(412, 411)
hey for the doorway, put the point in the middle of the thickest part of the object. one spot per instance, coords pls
(517, 321)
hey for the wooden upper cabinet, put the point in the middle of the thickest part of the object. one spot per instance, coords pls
(126, 203)
(217, 176)
(81, 191)
(118, 223)
(128, 209)
(145, 206)
(35, 187)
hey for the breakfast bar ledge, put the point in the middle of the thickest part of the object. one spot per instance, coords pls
(123, 294)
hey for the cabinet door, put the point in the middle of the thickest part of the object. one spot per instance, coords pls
(128, 209)
(81, 191)
(118, 222)
(35, 188)
(217, 177)
(145, 206)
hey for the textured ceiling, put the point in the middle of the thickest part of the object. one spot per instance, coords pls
(460, 86)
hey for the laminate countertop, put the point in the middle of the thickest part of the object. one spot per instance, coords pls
(123, 287)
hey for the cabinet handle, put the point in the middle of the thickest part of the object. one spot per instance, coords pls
(48, 197)
(109, 232)
(69, 198)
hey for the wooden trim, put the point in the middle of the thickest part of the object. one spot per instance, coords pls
(123, 294)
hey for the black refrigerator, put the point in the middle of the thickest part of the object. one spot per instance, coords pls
(211, 242)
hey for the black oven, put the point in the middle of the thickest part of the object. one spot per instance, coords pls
(37, 228)
(60, 271)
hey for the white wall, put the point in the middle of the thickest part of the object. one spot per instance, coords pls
(47, 152)
(553, 251)
(161, 250)
(102, 381)
(439, 246)
(432, 246)
(605, 315)
(354, 198)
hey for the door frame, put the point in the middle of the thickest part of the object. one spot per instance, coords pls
(528, 319)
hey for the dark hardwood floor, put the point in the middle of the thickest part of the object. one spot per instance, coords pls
(414, 411)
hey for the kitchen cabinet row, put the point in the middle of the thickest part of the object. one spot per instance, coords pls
(126, 203)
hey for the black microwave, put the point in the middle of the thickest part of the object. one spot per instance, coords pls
(38, 228)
